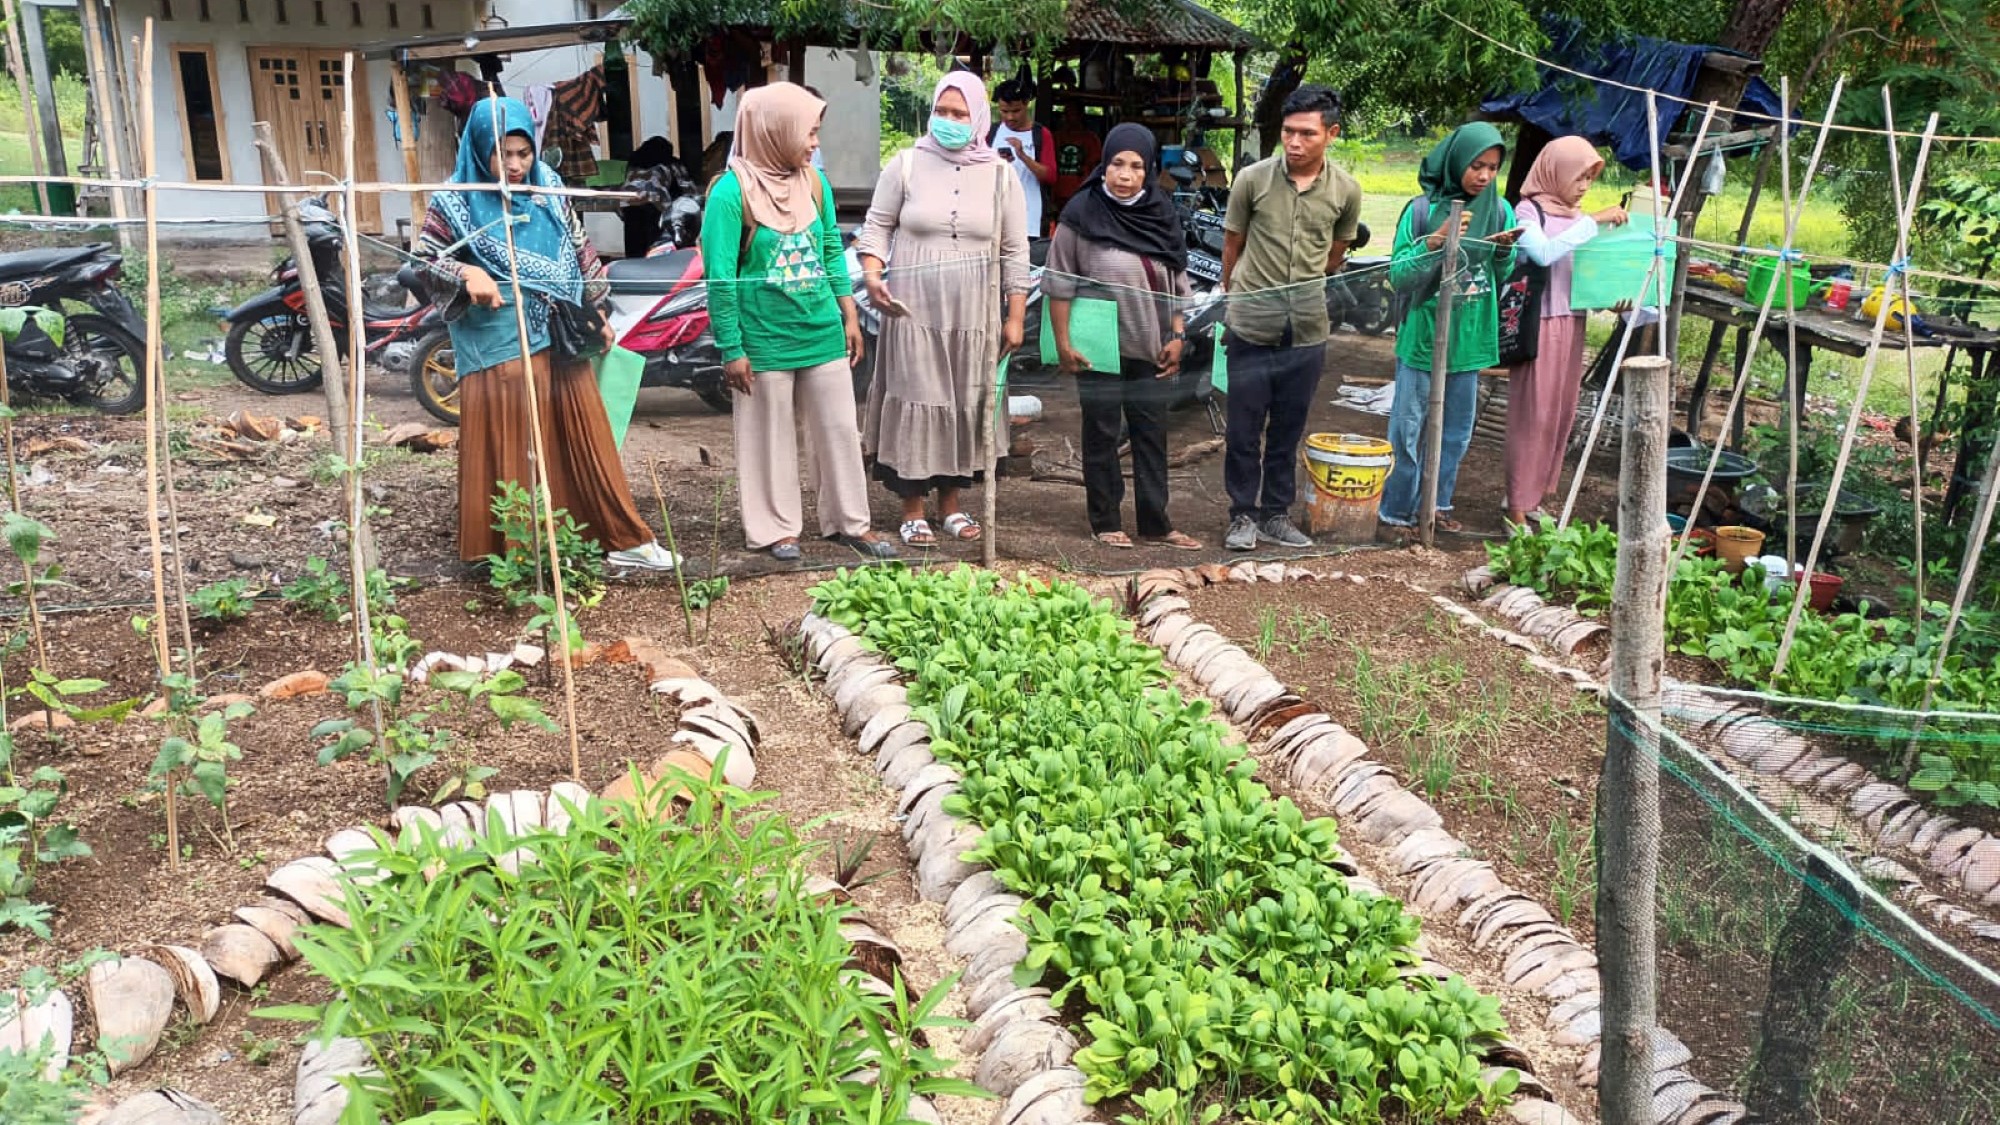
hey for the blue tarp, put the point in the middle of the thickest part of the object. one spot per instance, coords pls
(1610, 116)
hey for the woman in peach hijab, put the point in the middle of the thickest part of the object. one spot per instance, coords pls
(1542, 393)
(782, 310)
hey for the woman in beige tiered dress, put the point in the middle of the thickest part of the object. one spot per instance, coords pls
(951, 217)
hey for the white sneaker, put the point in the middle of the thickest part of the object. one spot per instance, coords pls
(646, 556)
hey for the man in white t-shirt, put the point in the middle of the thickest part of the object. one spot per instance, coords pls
(1030, 147)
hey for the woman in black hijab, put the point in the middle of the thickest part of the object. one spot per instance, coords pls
(1119, 240)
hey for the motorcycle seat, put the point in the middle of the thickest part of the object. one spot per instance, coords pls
(22, 264)
(651, 277)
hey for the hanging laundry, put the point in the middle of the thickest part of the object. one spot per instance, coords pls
(572, 124)
(728, 62)
(539, 100)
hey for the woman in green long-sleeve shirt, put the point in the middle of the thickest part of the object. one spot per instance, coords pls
(782, 310)
(1462, 169)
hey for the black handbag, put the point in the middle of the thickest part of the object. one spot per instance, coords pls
(576, 332)
(1520, 303)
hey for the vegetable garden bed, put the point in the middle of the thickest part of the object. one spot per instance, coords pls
(1192, 924)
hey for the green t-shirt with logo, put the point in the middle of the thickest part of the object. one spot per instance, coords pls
(780, 305)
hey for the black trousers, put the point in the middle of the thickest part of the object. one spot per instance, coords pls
(1271, 391)
(1137, 396)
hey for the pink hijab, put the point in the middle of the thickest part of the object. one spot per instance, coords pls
(974, 92)
(1558, 166)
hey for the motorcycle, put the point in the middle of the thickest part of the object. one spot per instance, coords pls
(270, 343)
(100, 360)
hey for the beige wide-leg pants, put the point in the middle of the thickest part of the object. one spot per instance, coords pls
(767, 453)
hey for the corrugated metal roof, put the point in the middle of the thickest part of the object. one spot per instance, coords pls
(1154, 23)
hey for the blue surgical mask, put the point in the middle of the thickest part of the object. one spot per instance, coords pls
(953, 135)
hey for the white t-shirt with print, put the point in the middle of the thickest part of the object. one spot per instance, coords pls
(1032, 186)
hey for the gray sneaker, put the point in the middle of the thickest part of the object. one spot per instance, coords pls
(1279, 530)
(1242, 534)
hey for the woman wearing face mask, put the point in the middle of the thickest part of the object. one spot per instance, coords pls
(1119, 239)
(471, 272)
(952, 217)
(1460, 169)
(1541, 394)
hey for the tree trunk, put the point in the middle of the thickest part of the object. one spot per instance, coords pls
(1287, 74)
(1529, 141)
(1628, 788)
(1753, 25)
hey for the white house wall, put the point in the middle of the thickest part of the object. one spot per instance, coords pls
(231, 40)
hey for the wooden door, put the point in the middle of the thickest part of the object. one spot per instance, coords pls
(300, 92)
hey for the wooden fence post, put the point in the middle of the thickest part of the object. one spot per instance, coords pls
(1628, 791)
(324, 341)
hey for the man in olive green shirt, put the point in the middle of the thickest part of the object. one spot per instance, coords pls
(1291, 217)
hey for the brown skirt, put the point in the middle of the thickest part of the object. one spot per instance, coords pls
(494, 445)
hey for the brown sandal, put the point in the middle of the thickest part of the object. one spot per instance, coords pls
(1116, 539)
(1178, 540)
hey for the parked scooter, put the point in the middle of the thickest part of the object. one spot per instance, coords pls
(270, 344)
(659, 309)
(101, 358)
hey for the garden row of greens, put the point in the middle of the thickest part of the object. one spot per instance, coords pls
(639, 970)
(1736, 622)
(1194, 913)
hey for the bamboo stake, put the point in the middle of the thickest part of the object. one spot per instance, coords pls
(155, 439)
(149, 162)
(1440, 374)
(1898, 271)
(1904, 215)
(1631, 322)
(1658, 182)
(1792, 390)
(102, 97)
(1628, 790)
(1794, 209)
(541, 476)
(14, 502)
(359, 559)
(17, 62)
(1982, 526)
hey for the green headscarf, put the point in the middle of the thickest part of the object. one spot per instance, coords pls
(1442, 177)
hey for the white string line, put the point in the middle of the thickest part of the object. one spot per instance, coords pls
(1739, 112)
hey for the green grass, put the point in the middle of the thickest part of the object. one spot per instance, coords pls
(1388, 178)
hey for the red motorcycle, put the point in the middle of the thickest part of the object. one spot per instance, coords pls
(270, 344)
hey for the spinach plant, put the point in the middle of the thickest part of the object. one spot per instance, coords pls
(228, 600)
(1193, 915)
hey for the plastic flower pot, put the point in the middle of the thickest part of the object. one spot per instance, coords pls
(1825, 588)
(1735, 546)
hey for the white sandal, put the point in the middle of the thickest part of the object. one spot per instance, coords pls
(917, 533)
(958, 523)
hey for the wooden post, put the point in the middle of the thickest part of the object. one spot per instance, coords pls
(361, 555)
(1440, 371)
(324, 341)
(103, 98)
(1910, 376)
(406, 129)
(37, 55)
(17, 62)
(1628, 790)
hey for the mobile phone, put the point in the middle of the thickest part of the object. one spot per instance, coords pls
(896, 307)
(1006, 153)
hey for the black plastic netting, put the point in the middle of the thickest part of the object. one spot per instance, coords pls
(1805, 972)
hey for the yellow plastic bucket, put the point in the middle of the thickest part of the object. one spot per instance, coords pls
(1347, 466)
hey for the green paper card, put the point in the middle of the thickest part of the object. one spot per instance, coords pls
(618, 375)
(1093, 332)
(1218, 371)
